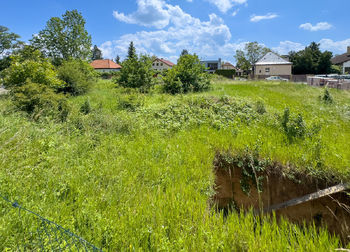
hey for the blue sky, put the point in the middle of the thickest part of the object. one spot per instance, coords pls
(210, 28)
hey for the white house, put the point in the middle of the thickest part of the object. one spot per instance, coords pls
(273, 65)
(105, 66)
(343, 61)
(212, 65)
(162, 64)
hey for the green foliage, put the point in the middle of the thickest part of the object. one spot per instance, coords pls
(187, 76)
(136, 73)
(96, 53)
(130, 101)
(260, 107)
(86, 107)
(8, 40)
(36, 70)
(252, 52)
(294, 127)
(335, 69)
(228, 73)
(311, 60)
(40, 100)
(64, 38)
(327, 97)
(77, 75)
(184, 52)
(132, 51)
(117, 60)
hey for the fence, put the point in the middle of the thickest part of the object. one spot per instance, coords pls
(50, 236)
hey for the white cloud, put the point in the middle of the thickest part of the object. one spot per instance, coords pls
(335, 46)
(225, 5)
(285, 47)
(235, 13)
(256, 18)
(318, 27)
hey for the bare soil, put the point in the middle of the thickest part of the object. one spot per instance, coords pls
(332, 211)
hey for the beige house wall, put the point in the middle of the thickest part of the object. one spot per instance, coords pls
(160, 66)
(269, 70)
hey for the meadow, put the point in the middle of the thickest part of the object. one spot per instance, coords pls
(134, 172)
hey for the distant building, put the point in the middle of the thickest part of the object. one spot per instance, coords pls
(343, 61)
(273, 65)
(162, 64)
(212, 65)
(105, 66)
(229, 66)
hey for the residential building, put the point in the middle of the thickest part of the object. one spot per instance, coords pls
(343, 61)
(212, 65)
(272, 65)
(105, 66)
(229, 66)
(162, 64)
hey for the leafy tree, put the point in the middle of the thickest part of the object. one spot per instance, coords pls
(252, 52)
(187, 76)
(32, 68)
(8, 40)
(311, 60)
(77, 75)
(132, 51)
(96, 53)
(136, 73)
(117, 59)
(64, 38)
(184, 52)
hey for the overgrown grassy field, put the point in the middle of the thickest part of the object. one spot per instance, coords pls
(134, 172)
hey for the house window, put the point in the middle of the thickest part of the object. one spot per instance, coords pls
(259, 71)
(346, 70)
(153, 64)
(161, 64)
(267, 70)
(157, 64)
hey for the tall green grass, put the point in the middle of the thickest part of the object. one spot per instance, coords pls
(124, 181)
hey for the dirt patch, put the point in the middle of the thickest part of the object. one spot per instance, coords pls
(332, 211)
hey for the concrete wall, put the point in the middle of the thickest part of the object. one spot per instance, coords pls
(160, 66)
(274, 70)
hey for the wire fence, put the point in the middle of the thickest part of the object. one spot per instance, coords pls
(49, 236)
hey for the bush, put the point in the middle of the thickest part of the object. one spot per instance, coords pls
(228, 73)
(327, 97)
(187, 76)
(37, 70)
(78, 76)
(294, 127)
(136, 72)
(40, 100)
(86, 107)
(260, 107)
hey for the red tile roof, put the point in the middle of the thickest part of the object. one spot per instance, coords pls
(105, 64)
(167, 62)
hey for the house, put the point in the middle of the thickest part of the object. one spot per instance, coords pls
(162, 64)
(212, 65)
(105, 66)
(272, 65)
(229, 66)
(343, 61)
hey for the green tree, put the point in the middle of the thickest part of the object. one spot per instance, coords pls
(64, 38)
(132, 51)
(311, 60)
(117, 59)
(187, 76)
(252, 52)
(184, 52)
(8, 40)
(136, 73)
(96, 53)
(32, 68)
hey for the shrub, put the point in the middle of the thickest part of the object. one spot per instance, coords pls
(187, 76)
(40, 100)
(228, 73)
(86, 107)
(327, 97)
(78, 76)
(260, 107)
(130, 102)
(37, 70)
(137, 73)
(294, 127)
